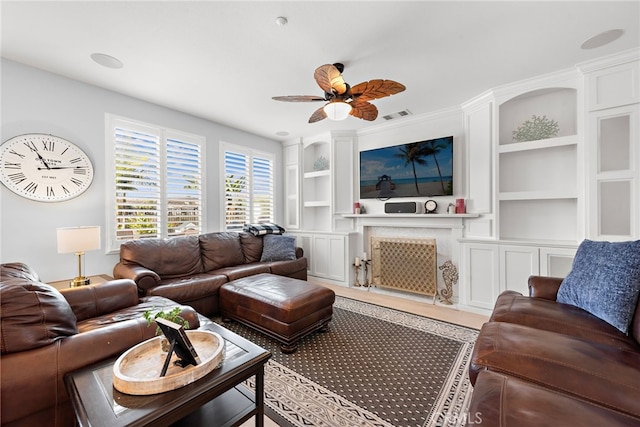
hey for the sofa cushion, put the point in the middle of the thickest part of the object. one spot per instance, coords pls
(221, 249)
(505, 401)
(263, 229)
(34, 314)
(605, 281)
(175, 257)
(296, 269)
(251, 247)
(599, 373)
(12, 270)
(192, 288)
(278, 248)
(240, 271)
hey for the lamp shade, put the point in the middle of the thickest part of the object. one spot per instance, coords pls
(78, 239)
(337, 110)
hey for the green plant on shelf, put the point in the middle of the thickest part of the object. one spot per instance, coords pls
(172, 315)
(535, 129)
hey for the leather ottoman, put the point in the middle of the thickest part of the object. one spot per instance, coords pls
(505, 401)
(284, 308)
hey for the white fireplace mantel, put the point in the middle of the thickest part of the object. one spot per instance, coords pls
(447, 229)
(450, 221)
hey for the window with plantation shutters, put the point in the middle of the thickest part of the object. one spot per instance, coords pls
(157, 182)
(248, 187)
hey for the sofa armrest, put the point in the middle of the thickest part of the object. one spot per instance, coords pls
(144, 278)
(102, 298)
(23, 374)
(299, 252)
(544, 287)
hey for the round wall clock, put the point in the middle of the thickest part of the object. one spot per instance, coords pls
(44, 167)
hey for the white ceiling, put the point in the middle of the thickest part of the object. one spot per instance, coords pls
(224, 60)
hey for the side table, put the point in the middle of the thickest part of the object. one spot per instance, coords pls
(99, 278)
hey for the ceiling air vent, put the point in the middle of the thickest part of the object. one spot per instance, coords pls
(397, 115)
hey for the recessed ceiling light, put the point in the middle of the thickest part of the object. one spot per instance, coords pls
(107, 60)
(281, 21)
(282, 133)
(602, 39)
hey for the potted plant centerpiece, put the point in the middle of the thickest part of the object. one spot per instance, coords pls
(172, 315)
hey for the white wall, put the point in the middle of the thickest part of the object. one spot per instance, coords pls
(38, 101)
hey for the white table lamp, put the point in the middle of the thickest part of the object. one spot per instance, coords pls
(78, 240)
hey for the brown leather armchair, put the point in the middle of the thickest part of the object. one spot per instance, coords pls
(48, 333)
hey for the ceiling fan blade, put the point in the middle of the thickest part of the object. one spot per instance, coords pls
(364, 110)
(298, 98)
(330, 80)
(318, 115)
(374, 89)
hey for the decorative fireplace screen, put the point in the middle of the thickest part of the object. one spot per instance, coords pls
(405, 264)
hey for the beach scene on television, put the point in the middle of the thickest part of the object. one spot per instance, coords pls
(415, 169)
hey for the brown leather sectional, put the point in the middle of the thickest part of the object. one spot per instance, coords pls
(191, 269)
(48, 333)
(540, 362)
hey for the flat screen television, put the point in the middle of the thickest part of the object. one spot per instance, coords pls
(416, 169)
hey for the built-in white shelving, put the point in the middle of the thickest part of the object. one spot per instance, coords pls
(539, 144)
(537, 190)
(316, 174)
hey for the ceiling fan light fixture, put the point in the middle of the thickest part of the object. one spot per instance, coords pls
(337, 110)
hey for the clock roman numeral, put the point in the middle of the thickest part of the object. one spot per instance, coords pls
(76, 181)
(31, 187)
(31, 146)
(17, 178)
(48, 145)
(17, 154)
(65, 150)
(50, 192)
(76, 160)
(10, 165)
(80, 171)
(65, 190)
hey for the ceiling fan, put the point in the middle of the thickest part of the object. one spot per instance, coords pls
(343, 100)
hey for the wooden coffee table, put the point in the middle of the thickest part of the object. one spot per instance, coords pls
(218, 399)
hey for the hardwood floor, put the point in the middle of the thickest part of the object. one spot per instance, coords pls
(422, 308)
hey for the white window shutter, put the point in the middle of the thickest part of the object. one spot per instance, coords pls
(157, 183)
(138, 184)
(248, 188)
(183, 187)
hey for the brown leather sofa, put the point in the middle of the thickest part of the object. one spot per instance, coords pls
(191, 269)
(541, 362)
(48, 333)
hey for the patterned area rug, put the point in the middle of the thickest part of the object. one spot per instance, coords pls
(375, 367)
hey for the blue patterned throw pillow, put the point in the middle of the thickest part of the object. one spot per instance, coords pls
(276, 247)
(605, 281)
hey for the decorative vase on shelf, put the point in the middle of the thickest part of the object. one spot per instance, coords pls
(535, 129)
(321, 164)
